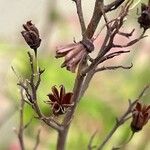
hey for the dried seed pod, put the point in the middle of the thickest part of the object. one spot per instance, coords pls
(60, 101)
(74, 53)
(31, 35)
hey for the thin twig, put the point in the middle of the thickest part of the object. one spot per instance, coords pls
(113, 68)
(113, 5)
(100, 59)
(90, 147)
(124, 144)
(80, 15)
(21, 126)
(127, 35)
(18, 77)
(142, 93)
(26, 125)
(37, 140)
(40, 72)
(28, 95)
(130, 43)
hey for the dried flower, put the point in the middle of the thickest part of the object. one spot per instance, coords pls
(31, 35)
(140, 116)
(60, 101)
(144, 19)
(74, 53)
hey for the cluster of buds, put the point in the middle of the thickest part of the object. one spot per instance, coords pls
(144, 19)
(74, 53)
(60, 101)
(31, 35)
(140, 116)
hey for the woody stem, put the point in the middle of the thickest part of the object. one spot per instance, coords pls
(62, 135)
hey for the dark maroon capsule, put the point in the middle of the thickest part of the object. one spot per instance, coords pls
(31, 35)
(60, 100)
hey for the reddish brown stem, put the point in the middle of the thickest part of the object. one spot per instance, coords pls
(97, 14)
(62, 135)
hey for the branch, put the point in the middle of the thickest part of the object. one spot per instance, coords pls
(28, 95)
(131, 42)
(113, 5)
(123, 118)
(144, 90)
(100, 59)
(90, 147)
(124, 144)
(105, 18)
(32, 67)
(40, 72)
(111, 55)
(113, 68)
(97, 14)
(14, 71)
(80, 16)
(86, 82)
(62, 137)
(21, 126)
(127, 35)
(37, 140)
(26, 125)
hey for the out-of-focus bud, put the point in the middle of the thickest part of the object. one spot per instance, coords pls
(144, 19)
(140, 116)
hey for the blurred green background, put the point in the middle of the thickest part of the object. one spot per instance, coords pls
(108, 94)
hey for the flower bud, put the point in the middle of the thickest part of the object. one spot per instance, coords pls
(31, 35)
